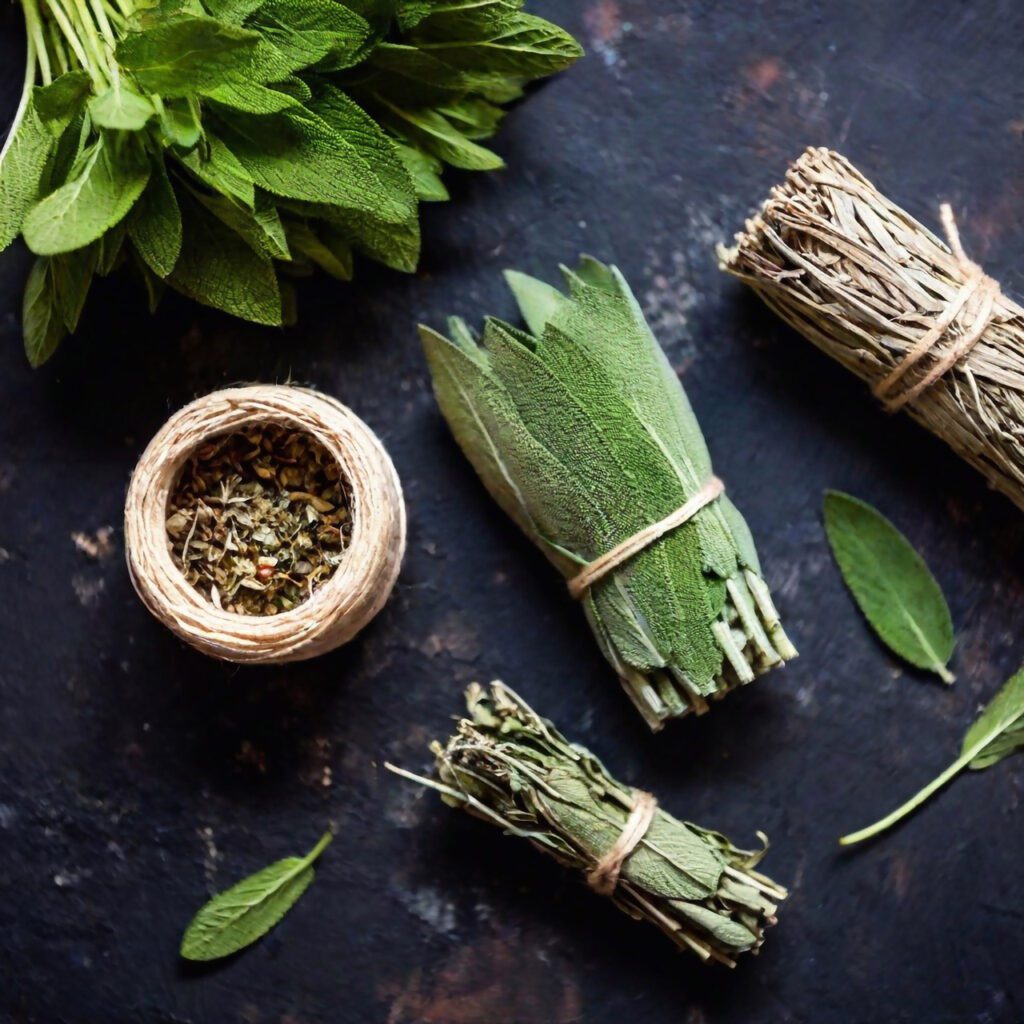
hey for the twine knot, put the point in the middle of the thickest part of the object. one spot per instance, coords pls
(604, 876)
(596, 570)
(976, 300)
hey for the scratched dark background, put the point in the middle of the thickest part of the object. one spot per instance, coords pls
(136, 777)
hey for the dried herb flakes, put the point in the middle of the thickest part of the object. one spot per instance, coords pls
(259, 519)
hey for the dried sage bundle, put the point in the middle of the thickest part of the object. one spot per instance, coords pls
(582, 433)
(909, 314)
(507, 765)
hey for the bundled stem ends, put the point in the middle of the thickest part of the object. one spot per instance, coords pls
(909, 314)
(507, 765)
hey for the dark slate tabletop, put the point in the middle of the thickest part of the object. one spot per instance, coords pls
(136, 776)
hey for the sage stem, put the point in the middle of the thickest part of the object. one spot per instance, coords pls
(912, 804)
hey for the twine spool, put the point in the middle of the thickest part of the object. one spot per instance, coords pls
(344, 603)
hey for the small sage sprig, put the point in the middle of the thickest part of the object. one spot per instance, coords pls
(890, 583)
(239, 916)
(997, 733)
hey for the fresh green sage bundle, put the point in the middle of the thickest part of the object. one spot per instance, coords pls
(507, 765)
(582, 433)
(215, 145)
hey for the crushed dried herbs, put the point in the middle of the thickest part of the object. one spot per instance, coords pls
(259, 519)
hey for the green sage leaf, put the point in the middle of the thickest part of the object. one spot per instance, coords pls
(26, 165)
(997, 733)
(219, 269)
(311, 31)
(526, 46)
(890, 583)
(999, 730)
(215, 165)
(41, 322)
(239, 916)
(120, 106)
(108, 181)
(326, 248)
(435, 133)
(187, 55)
(156, 227)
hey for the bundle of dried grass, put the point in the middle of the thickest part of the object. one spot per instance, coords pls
(881, 294)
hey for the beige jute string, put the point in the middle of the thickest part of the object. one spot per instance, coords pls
(604, 876)
(596, 570)
(344, 603)
(977, 301)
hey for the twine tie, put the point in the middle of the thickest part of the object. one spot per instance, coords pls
(976, 298)
(604, 876)
(596, 570)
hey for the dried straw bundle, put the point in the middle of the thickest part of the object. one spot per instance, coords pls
(346, 601)
(909, 314)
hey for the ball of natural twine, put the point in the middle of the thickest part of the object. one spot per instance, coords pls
(344, 603)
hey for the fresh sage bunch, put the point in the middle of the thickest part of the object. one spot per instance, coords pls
(582, 433)
(507, 765)
(997, 733)
(239, 916)
(223, 146)
(890, 583)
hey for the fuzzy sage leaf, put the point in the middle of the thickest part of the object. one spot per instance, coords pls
(997, 733)
(890, 583)
(239, 916)
(507, 765)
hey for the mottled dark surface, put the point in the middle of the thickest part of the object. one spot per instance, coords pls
(137, 776)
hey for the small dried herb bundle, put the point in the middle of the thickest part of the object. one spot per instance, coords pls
(582, 433)
(881, 294)
(507, 765)
(259, 519)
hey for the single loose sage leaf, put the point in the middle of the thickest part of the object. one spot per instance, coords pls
(997, 733)
(239, 916)
(890, 583)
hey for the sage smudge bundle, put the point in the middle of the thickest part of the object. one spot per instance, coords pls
(909, 314)
(582, 433)
(507, 765)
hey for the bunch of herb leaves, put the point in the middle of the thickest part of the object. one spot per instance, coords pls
(222, 146)
(258, 519)
(507, 765)
(581, 431)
